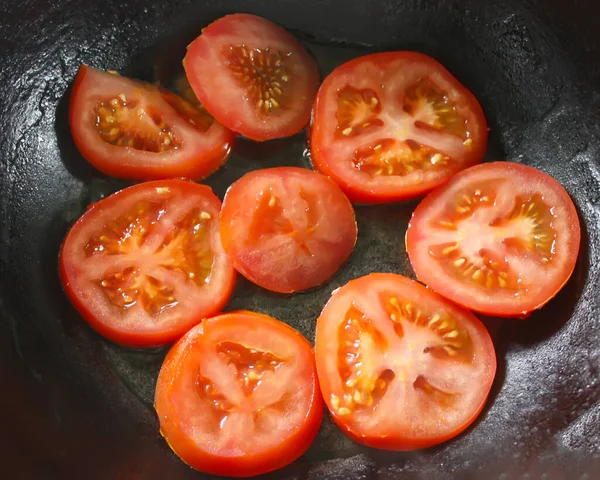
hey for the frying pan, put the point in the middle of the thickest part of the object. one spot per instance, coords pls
(76, 406)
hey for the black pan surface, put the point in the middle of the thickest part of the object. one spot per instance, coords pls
(76, 406)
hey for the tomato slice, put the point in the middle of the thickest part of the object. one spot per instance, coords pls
(400, 367)
(238, 395)
(253, 76)
(499, 238)
(286, 228)
(145, 264)
(132, 130)
(391, 126)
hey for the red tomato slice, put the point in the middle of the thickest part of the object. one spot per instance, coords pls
(145, 264)
(287, 229)
(253, 76)
(499, 238)
(132, 130)
(238, 395)
(400, 367)
(392, 126)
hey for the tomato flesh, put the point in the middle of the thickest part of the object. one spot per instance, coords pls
(287, 229)
(499, 238)
(400, 367)
(392, 126)
(253, 76)
(131, 130)
(145, 264)
(238, 395)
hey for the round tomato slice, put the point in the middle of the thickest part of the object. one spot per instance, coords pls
(286, 228)
(499, 238)
(401, 367)
(145, 264)
(253, 76)
(238, 395)
(132, 130)
(392, 126)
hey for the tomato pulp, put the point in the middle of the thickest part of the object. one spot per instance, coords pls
(238, 395)
(392, 126)
(145, 264)
(287, 229)
(401, 367)
(132, 130)
(499, 238)
(253, 76)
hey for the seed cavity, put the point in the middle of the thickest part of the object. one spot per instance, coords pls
(454, 340)
(431, 108)
(357, 110)
(364, 384)
(389, 157)
(190, 255)
(122, 124)
(262, 73)
(250, 364)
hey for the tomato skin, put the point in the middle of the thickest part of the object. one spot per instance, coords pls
(518, 175)
(195, 160)
(203, 65)
(332, 240)
(325, 350)
(319, 139)
(290, 449)
(112, 330)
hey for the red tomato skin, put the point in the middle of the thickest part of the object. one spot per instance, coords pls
(249, 465)
(413, 237)
(129, 339)
(196, 167)
(211, 103)
(401, 442)
(356, 193)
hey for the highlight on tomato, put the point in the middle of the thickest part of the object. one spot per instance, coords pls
(499, 238)
(401, 367)
(393, 126)
(145, 264)
(238, 395)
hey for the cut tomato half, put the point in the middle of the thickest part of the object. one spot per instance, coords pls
(287, 229)
(401, 367)
(499, 238)
(253, 76)
(145, 264)
(132, 130)
(391, 126)
(238, 395)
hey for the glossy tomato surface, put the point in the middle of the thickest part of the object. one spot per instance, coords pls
(238, 395)
(499, 238)
(401, 367)
(132, 130)
(253, 76)
(145, 264)
(391, 126)
(287, 229)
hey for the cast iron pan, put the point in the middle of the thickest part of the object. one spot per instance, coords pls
(75, 406)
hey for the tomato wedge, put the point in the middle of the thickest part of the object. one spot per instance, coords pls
(286, 228)
(391, 126)
(132, 130)
(145, 264)
(253, 76)
(400, 367)
(499, 238)
(238, 395)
